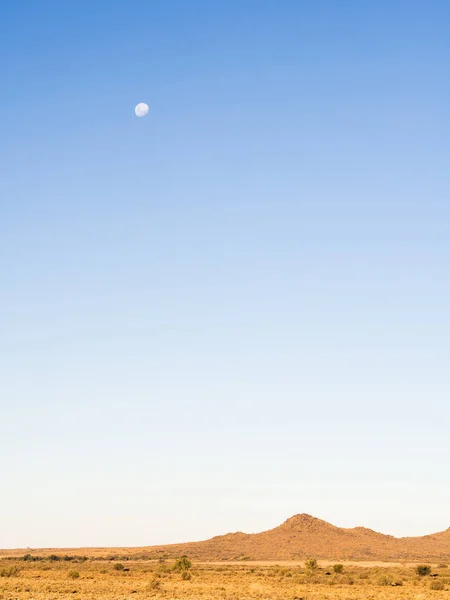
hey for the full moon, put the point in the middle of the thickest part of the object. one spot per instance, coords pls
(141, 109)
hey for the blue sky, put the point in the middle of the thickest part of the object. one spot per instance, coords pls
(237, 308)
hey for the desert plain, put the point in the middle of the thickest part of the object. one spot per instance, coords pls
(285, 563)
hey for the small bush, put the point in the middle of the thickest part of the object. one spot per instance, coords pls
(162, 568)
(437, 585)
(73, 574)
(311, 564)
(10, 572)
(118, 567)
(182, 564)
(154, 585)
(54, 557)
(186, 576)
(338, 568)
(423, 570)
(385, 580)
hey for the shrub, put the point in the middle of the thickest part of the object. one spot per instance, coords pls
(73, 575)
(311, 564)
(154, 584)
(338, 568)
(423, 570)
(118, 567)
(162, 568)
(437, 585)
(182, 564)
(10, 571)
(186, 576)
(385, 580)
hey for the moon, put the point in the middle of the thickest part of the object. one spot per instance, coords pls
(141, 109)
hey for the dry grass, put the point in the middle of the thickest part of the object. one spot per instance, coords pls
(98, 579)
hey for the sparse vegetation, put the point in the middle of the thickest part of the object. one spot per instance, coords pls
(182, 564)
(437, 585)
(73, 574)
(187, 579)
(10, 571)
(385, 580)
(311, 564)
(154, 585)
(423, 570)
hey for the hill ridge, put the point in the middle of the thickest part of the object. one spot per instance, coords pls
(298, 537)
(304, 535)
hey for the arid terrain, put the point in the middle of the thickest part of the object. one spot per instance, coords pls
(303, 559)
(303, 535)
(58, 577)
(299, 537)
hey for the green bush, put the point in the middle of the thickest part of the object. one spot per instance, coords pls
(338, 568)
(186, 576)
(182, 564)
(118, 567)
(423, 570)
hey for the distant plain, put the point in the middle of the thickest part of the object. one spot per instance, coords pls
(222, 567)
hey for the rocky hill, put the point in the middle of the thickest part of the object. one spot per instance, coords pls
(299, 537)
(303, 535)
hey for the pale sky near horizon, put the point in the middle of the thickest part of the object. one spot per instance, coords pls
(236, 308)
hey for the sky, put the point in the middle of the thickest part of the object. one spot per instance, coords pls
(235, 309)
